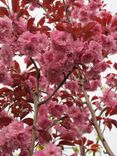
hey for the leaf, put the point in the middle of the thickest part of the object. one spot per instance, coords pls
(111, 111)
(89, 142)
(60, 26)
(64, 94)
(41, 21)
(88, 26)
(19, 92)
(108, 123)
(94, 98)
(68, 103)
(60, 12)
(15, 5)
(45, 135)
(3, 11)
(28, 121)
(22, 12)
(66, 142)
(95, 147)
(17, 67)
(4, 121)
(99, 20)
(115, 66)
(24, 2)
(45, 28)
(30, 23)
(114, 23)
(114, 122)
(47, 2)
(5, 91)
(108, 18)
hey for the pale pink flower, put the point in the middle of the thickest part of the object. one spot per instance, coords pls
(50, 150)
(109, 98)
(60, 38)
(87, 57)
(100, 67)
(5, 29)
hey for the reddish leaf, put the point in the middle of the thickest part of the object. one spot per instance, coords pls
(57, 5)
(60, 12)
(47, 2)
(109, 62)
(108, 18)
(45, 28)
(3, 11)
(108, 123)
(94, 98)
(113, 111)
(45, 135)
(66, 142)
(41, 21)
(4, 121)
(88, 26)
(89, 142)
(24, 2)
(17, 67)
(60, 26)
(33, 29)
(28, 121)
(95, 147)
(81, 141)
(19, 92)
(68, 103)
(115, 66)
(30, 22)
(99, 118)
(114, 23)
(5, 91)
(114, 122)
(22, 12)
(99, 20)
(15, 5)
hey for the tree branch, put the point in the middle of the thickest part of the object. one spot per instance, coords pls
(66, 12)
(36, 102)
(97, 128)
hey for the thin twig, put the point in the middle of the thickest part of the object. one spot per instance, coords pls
(58, 87)
(66, 12)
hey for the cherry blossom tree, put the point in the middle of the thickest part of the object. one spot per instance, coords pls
(49, 104)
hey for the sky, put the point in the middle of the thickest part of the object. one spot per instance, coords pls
(111, 5)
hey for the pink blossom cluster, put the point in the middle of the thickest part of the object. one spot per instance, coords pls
(74, 122)
(85, 11)
(13, 137)
(50, 150)
(32, 44)
(60, 53)
(109, 98)
(84, 47)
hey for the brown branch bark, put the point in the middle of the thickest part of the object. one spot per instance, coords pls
(82, 151)
(97, 128)
(36, 103)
